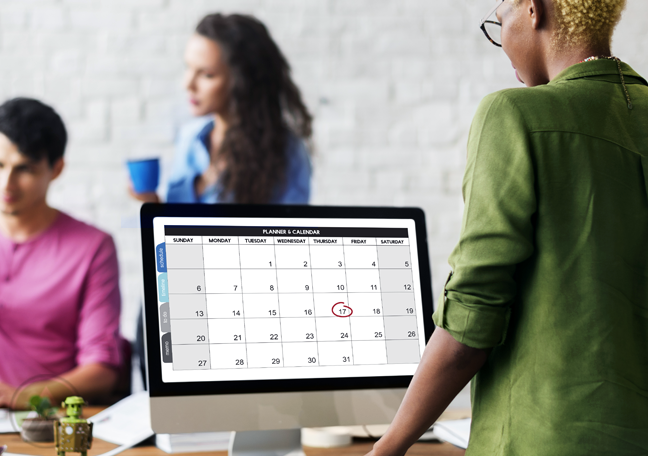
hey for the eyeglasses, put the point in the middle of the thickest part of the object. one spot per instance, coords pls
(492, 29)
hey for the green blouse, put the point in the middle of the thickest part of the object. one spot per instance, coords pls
(551, 269)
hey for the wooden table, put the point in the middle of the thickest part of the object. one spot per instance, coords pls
(359, 447)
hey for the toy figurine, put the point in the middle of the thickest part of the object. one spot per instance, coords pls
(73, 433)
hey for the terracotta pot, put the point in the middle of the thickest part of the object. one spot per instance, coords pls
(38, 430)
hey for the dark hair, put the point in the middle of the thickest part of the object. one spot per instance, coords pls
(265, 107)
(35, 128)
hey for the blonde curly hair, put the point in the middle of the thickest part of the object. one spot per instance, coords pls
(581, 22)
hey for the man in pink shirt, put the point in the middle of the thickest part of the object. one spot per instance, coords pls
(59, 280)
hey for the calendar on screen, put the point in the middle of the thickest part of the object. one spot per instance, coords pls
(289, 298)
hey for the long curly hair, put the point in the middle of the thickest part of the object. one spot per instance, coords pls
(265, 108)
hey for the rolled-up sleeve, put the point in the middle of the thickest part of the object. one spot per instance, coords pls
(497, 227)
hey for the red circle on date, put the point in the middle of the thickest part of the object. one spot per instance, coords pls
(341, 310)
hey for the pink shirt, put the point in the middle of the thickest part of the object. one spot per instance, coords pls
(59, 302)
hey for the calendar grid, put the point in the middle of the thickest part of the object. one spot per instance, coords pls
(259, 279)
(287, 269)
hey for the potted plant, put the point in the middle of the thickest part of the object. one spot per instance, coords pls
(41, 428)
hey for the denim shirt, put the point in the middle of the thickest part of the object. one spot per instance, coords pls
(192, 159)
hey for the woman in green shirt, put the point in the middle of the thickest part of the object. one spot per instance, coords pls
(548, 300)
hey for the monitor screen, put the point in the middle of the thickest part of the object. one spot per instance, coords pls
(281, 298)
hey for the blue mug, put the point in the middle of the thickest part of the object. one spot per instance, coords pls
(145, 174)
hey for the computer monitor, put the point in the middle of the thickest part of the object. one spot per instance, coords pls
(261, 318)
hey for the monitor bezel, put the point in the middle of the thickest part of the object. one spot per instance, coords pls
(157, 388)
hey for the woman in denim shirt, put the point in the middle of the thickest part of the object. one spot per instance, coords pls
(249, 142)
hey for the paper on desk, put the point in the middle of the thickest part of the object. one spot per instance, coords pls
(128, 422)
(12, 421)
(6, 424)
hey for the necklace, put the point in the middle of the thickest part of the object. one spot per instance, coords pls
(598, 57)
(618, 61)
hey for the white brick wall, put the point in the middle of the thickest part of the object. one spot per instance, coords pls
(393, 85)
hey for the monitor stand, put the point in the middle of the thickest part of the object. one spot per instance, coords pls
(282, 442)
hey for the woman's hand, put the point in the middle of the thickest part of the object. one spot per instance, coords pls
(380, 449)
(146, 197)
(445, 368)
